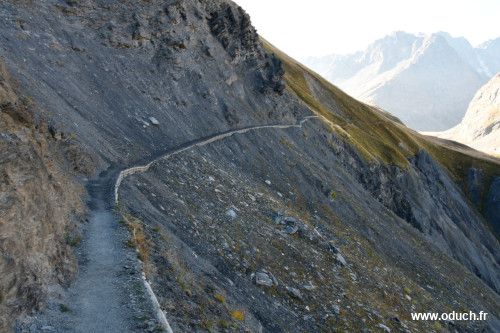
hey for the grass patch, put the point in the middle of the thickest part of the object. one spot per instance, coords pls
(371, 131)
(238, 315)
(137, 237)
(220, 298)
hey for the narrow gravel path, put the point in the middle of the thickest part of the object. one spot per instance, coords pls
(197, 143)
(111, 293)
(98, 297)
(108, 294)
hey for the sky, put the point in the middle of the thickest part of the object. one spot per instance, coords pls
(304, 28)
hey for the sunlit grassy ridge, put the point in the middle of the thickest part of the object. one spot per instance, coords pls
(375, 134)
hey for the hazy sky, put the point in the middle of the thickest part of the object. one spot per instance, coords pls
(318, 27)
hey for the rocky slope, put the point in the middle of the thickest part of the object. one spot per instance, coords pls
(348, 222)
(40, 205)
(425, 80)
(480, 128)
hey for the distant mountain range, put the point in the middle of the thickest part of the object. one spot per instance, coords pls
(480, 127)
(425, 80)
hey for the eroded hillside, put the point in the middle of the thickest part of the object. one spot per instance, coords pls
(40, 205)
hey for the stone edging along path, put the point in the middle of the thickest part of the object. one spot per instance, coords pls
(198, 143)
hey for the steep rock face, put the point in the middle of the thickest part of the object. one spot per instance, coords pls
(492, 208)
(422, 196)
(364, 207)
(40, 204)
(426, 81)
(480, 127)
(232, 27)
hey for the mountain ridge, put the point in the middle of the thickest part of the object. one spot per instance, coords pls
(425, 80)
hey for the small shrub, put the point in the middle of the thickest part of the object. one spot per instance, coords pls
(333, 195)
(220, 298)
(138, 238)
(207, 324)
(129, 243)
(238, 315)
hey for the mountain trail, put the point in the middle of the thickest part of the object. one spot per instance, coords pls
(198, 143)
(111, 293)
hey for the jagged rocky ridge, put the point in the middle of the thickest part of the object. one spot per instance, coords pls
(134, 80)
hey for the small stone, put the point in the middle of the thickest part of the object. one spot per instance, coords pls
(294, 292)
(291, 220)
(309, 286)
(231, 214)
(291, 229)
(332, 247)
(154, 121)
(268, 182)
(384, 328)
(211, 179)
(340, 259)
(408, 297)
(336, 309)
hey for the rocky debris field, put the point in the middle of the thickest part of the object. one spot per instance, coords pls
(233, 246)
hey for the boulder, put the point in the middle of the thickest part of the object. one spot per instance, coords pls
(265, 278)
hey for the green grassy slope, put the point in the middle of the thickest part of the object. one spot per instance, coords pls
(378, 135)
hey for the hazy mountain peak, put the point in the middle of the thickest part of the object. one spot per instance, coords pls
(426, 80)
(492, 43)
(480, 127)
